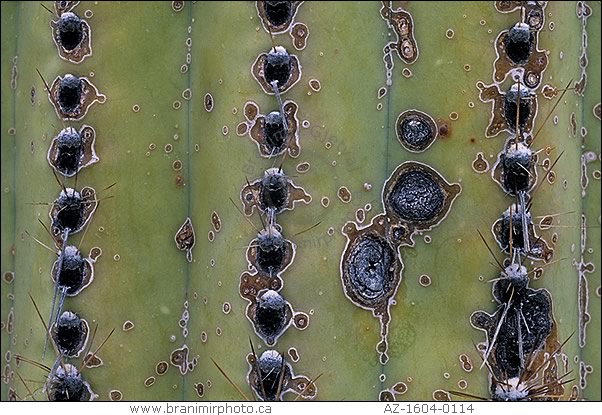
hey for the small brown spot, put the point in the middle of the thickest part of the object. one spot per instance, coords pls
(386, 396)
(203, 336)
(200, 389)
(302, 167)
(185, 238)
(177, 5)
(360, 215)
(92, 360)
(441, 395)
(453, 116)
(225, 130)
(136, 108)
(208, 102)
(242, 129)
(161, 368)
(128, 325)
(95, 253)
(325, 201)
(168, 148)
(465, 362)
(179, 181)
(301, 321)
(444, 128)
(177, 165)
(406, 73)
(216, 221)
(424, 280)
(344, 194)
(400, 388)
(480, 164)
(115, 395)
(462, 384)
(597, 110)
(546, 222)
(211, 236)
(294, 354)
(315, 85)
(8, 277)
(150, 381)
(226, 307)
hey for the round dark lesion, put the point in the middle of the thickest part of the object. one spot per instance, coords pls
(416, 131)
(416, 197)
(369, 268)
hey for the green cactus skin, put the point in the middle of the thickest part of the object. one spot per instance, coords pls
(138, 51)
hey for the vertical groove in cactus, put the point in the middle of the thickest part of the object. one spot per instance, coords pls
(172, 160)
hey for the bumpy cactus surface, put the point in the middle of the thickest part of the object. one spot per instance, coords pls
(357, 258)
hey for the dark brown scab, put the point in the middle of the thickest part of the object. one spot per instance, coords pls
(89, 95)
(179, 359)
(344, 194)
(8, 277)
(416, 131)
(115, 395)
(72, 53)
(402, 24)
(371, 272)
(480, 163)
(498, 121)
(278, 16)
(199, 389)
(257, 73)
(537, 62)
(179, 180)
(416, 198)
(250, 194)
(291, 142)
(161, 368)
(150, 381)
(185, 238)
(299, 34)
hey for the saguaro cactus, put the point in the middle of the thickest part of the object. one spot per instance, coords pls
(178, 130)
